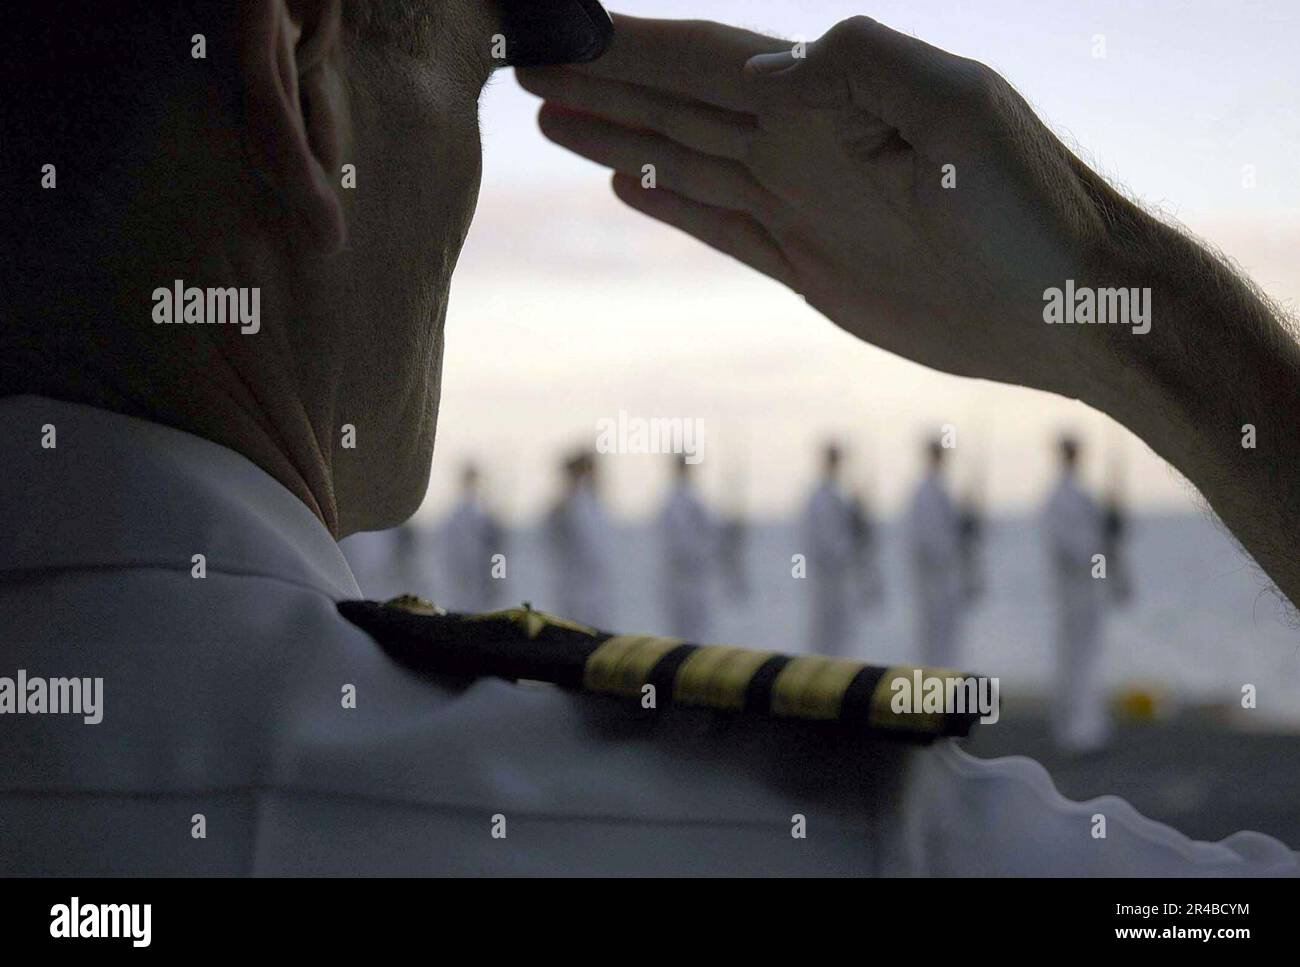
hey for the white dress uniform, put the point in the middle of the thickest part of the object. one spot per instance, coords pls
(578, 533)
(468, 539)
(1074, 527)
(829, 532)
(691, 553)
(934, 546)
(222, 715)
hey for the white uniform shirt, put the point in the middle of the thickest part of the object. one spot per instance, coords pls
(934, 545)
(468, 539)
(1075, 533)
(690, 535)
(222, 699)
(829, 521)
(934, 535)
(1073, 523)
(691, 554)
(828, 526)
(579, 535)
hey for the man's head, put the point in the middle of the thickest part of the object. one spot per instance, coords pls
(574, 466)
(934, 454)
(323, 152)
(1067, 447)
(469, 478)
(832, 457)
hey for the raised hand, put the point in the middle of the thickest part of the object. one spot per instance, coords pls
(908, 194)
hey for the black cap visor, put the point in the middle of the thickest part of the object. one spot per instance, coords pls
(540, 32)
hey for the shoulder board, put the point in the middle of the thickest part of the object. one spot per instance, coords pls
(524, 644)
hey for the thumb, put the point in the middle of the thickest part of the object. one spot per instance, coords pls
(768, 64)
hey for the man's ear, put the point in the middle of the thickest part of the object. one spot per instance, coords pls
(292, 104)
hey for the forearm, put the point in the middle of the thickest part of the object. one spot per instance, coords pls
(1218, 361)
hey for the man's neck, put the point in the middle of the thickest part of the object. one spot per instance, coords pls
(231, 414)
(288, 450)
(98, 334)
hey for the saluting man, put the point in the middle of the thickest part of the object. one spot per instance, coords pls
(173, 494)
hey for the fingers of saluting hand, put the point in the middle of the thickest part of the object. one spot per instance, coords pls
(703, 178)
(929, 95)
(731, 232)
(922, 91)
(692, 59)
(701, 127)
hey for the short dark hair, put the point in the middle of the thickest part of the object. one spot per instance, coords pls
(87, 81)
(408, 25)
(1068, 446)
(92, 88)
(76, 66)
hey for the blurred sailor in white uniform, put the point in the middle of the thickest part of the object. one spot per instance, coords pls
(690, 538)
(578, 534)
(830, 528)
(468, 541)
(934, 542)
(172, 497)
(1075, 527)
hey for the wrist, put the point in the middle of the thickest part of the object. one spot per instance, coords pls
(1138, 370)
(1215, 359)
(1209, 387)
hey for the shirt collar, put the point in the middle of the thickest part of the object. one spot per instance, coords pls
(117, 491)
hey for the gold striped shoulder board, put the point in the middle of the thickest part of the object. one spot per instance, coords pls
(524, 644)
